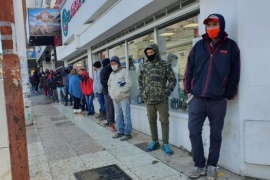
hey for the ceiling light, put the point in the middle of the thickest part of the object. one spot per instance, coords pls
(191, 25)
(167, 34)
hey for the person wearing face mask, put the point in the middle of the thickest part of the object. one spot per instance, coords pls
(156, 82)
(211, 78)
(119, 86)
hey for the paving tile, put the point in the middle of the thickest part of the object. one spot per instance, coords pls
(72, 164)
(33, 138)
(137, 160)
(37, 168)
(175, 177)
(37, 159)
(97, 164)
(60, 175)
(42, 176)
(182, 164)
(98, 156)
(114, 143)
(60, 152)
(154, 171)
(35, 149)
(125, 151)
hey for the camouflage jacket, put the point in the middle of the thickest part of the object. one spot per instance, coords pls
(156, 79)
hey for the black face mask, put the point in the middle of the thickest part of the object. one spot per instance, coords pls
(151, 57)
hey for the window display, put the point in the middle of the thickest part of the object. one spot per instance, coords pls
(120, 52)
(175, 42)
(136, 57)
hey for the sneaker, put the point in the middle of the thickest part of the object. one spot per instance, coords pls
(90, 113)
(125, 137)
(105, 124)
(117, 135)
(197, 172)
(154, 145)
(112, 128)
(211, 173)
(166, 148)
(98, 116)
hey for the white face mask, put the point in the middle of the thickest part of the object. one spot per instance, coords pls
(114, 68)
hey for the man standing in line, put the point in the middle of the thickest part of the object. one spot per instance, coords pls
(211, 78)
(119, 86)
(104, 77)
(98, 91)
(156, 83)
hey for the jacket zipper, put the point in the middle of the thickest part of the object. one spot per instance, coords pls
(209, 68)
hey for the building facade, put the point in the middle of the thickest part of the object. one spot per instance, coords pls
(94, 31)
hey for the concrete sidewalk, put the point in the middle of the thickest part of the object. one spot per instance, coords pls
(61, 144)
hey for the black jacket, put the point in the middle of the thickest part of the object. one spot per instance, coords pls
(216, 74)
(104, 77)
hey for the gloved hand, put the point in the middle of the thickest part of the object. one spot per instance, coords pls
(122, 83)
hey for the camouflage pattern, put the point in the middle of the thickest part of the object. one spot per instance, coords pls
(156, 79)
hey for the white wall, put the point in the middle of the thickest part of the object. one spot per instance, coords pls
(87, 9)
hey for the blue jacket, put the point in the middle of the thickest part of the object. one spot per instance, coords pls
(213, 72)
(75, 86)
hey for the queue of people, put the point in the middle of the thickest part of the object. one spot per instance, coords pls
(211, 79)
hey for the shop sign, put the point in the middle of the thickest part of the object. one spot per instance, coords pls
(68, 14)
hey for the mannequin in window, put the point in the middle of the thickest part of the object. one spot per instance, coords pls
(173, 60)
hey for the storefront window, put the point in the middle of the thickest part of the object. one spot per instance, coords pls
(175, 43)
(120, 52)
(136, 57)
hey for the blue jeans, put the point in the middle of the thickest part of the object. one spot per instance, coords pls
(89, 101)
(122, 113)
(59, 90)
(101, 100)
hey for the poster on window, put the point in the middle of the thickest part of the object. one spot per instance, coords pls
(44, 22)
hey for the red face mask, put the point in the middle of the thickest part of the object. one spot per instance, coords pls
(213, 33)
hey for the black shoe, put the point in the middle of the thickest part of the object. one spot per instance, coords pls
(90, 114)
(66, 104)
(105, 124)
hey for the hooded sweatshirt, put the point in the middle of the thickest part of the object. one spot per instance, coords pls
(156, 79)
(105, 74)
(213, 68)
(86, 84)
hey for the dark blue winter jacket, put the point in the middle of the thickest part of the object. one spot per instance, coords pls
(213, 72)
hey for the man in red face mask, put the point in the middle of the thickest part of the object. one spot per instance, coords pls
(211, 79)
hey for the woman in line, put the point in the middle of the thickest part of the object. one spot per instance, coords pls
(87, 90)
(75, 90)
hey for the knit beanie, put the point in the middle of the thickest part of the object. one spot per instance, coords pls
(115, 59)
(97, 64)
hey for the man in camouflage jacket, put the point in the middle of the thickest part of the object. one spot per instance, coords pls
(156, 83)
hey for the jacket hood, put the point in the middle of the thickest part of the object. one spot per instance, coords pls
(85, 74)
(221, 24)
(155, 48)
(105, 62)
